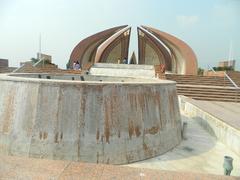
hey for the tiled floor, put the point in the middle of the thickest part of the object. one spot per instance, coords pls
(26, 168)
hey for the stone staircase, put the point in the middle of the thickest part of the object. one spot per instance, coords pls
(200, 80)
(210, 88)
(235, 76)
(7, 69)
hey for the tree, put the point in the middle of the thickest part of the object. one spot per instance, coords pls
(34, 60)
(68, 65)
(200, 71)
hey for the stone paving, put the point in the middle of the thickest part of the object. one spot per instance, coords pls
(27, 168)
(228, 112)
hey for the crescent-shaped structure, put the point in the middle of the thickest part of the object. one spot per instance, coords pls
(183, 58)
(86, 51)
(154, 48)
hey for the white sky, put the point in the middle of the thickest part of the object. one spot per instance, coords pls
(208, 26)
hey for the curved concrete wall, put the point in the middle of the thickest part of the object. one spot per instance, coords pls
(108, 122)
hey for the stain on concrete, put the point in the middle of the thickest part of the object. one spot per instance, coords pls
(152, 131)
(8, 115)
(130, 128)
(56, 138)
(45, 135)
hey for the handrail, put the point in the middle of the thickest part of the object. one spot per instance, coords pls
(16, 70)
(235, 85)
(211, 69)
(214, 72)
(38, 62)
(225, 74)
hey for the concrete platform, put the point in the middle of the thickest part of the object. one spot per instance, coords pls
(123, 70)
(200, 153)
(228, 112)
(220, 119)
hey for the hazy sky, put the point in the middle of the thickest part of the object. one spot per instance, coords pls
(208, 26)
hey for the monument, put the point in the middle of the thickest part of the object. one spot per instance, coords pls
(154, 47)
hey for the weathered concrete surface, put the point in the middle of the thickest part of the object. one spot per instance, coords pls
(100, 122)
(221, 119)
(85, 77)
(199, 153)
(28, 168)
(123, 70)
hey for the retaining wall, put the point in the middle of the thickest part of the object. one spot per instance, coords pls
(113, 123)
(225, 133)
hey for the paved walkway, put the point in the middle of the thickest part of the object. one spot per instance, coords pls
(27, 168)
(228, 112)
(199, 153)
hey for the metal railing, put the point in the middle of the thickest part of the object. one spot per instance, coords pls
(237, 94)
(235, 85)
(225, 75)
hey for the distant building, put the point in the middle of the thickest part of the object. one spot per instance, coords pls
(3, 62)
(227, 64)
(25, 62)
(44, 57)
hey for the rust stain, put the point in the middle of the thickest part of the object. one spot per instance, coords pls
(141, 101)
(7, 119)
(40, 135)
(45, 135)
(97, 157)
(171, 107)
(61, 136)
(130, 128)
(153, 130)
(157, 98)
(56, 138)
(106, 124)
(147, 151)
(106, 129)
(102, 137)
(83, 109)
(129, 158)
(119, 134)
(78, 147)
(137, 131)
(97, 135)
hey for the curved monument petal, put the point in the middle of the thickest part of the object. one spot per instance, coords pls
(185, 57)
(115, 47)
(85, 50)
(148, 40)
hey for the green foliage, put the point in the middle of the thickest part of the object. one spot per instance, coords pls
(200, 71)
(68, 65)
(230, 68)
(34, 60)
(47, 61)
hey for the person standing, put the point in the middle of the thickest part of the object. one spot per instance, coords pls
(77, 66)
(74, 65)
